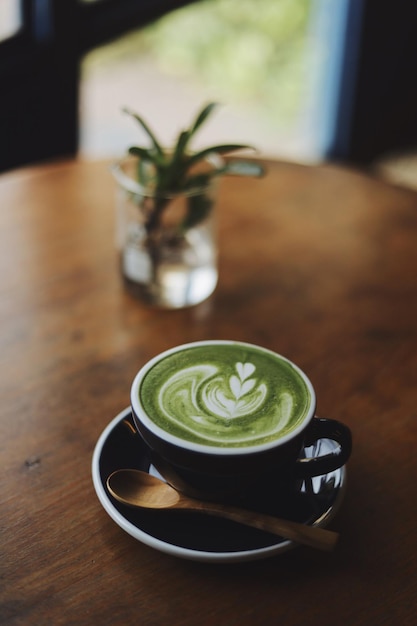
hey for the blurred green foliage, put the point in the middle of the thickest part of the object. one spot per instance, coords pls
(250, 51)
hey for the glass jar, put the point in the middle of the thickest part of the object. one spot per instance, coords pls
(167, 243)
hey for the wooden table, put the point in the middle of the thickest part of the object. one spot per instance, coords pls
(317, 263)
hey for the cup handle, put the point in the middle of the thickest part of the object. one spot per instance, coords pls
(321, 428)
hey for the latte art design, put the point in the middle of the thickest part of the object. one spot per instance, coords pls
(206, 401)
(233, 398)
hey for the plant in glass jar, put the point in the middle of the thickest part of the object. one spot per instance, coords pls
(166, 214)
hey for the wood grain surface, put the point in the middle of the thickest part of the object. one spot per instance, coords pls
(318, 263)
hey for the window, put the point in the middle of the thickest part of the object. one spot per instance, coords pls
(254, 57)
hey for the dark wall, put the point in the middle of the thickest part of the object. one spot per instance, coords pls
(382, 116)
(39, 71)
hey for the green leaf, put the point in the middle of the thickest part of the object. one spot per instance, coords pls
(200, 180)
(172, 171)
(179, 151)
(147, 165)
(244, 168)
(202, 116)
(222, 149)
(143, 153)
(147, 130)
(199, 207)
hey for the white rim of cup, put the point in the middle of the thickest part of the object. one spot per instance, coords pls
(208, 449)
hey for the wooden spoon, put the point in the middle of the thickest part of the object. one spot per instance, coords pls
(139, 489)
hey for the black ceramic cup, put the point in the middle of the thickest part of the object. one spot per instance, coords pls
(238, 473)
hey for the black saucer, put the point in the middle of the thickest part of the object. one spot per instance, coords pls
(201, 537)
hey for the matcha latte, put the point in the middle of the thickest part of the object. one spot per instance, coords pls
(224, 394)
